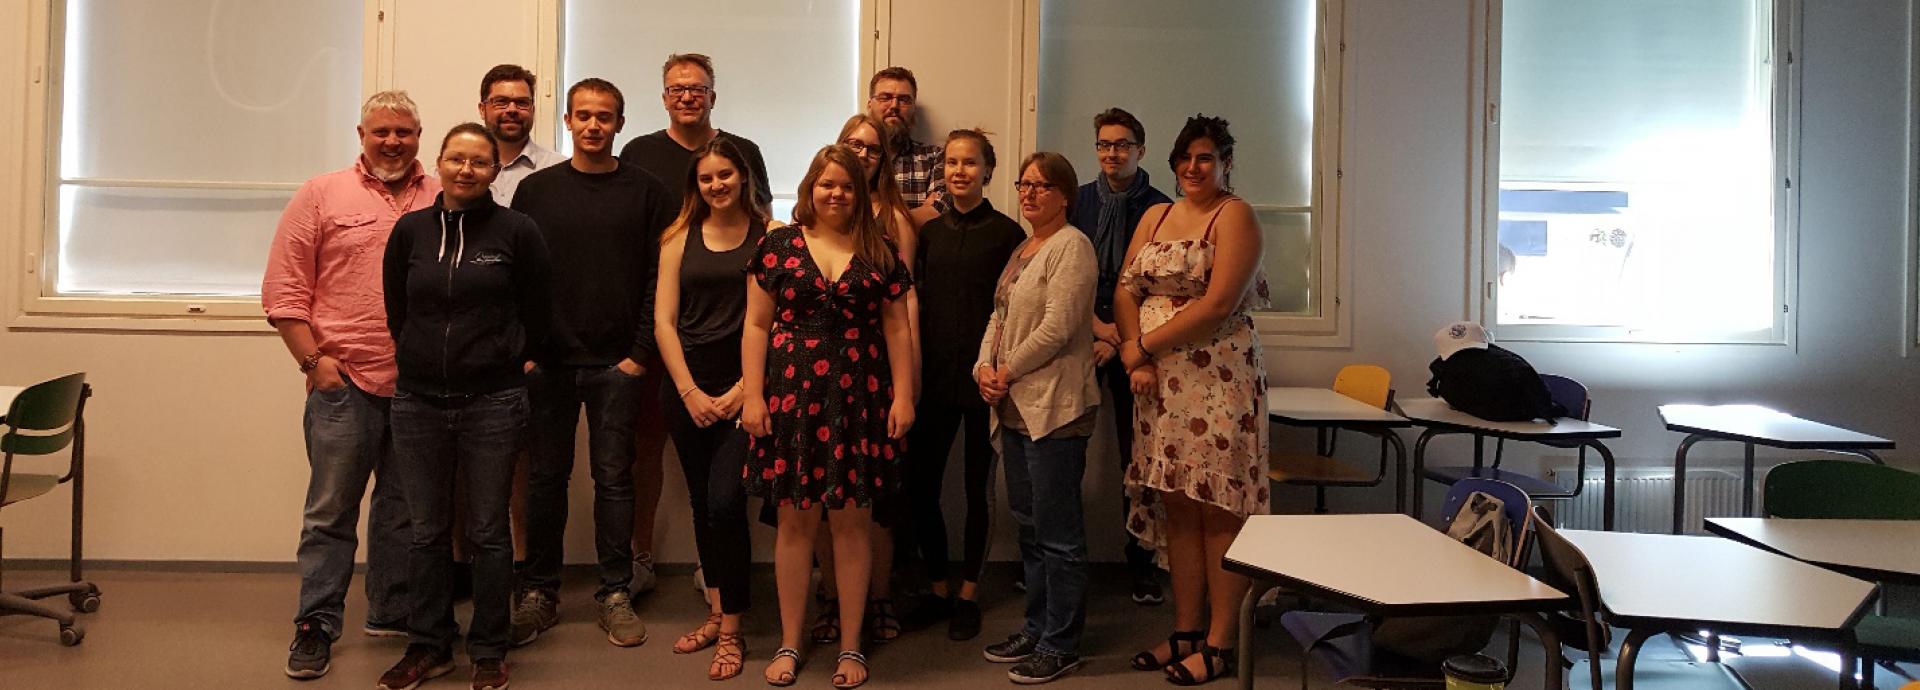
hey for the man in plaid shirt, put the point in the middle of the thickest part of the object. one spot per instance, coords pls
(919, 168)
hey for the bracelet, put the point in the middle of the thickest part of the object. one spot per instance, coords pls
(688, 391)
(309, 362)
(1141, 345)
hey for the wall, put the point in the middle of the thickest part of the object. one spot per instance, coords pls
(195, 447)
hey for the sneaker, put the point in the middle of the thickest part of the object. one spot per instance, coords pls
(537, 613)
(421, 663)
(1015, 649)
(965, 623)
(623, 626)
(1146, 590)
(644, 578)
(373, 629)
(311, 654)
(1042, 667)
(489, 674)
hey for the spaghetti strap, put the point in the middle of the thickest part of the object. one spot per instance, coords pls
(1207, 235)
(1156, 224)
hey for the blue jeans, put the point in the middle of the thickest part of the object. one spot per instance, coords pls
(348, 442)
(1043, 493)
(612, 400)
(477, 435)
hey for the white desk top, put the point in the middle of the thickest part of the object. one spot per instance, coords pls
(1386, 563)
(1717, 583)
(1322, 405)
(1435, 412)
(1764, 426)
(1888, 548)
(7, 394)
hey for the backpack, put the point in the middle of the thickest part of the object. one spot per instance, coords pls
(1493, 384)
(1482, 524)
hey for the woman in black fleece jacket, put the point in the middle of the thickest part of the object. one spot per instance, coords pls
(468, 304)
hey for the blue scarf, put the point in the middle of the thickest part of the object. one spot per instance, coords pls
(1111, 235)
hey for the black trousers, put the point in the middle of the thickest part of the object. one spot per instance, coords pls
(712, 460)
(929, 443)
(1114, 376)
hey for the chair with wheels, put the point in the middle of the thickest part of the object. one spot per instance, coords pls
(1366, 383)
(1844, 490)
(43, 419)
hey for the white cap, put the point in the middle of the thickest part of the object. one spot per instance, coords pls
(1458, 336)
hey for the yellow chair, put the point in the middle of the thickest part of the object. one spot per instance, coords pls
(1366, 383)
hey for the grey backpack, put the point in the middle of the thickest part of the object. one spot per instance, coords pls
(1482, 524)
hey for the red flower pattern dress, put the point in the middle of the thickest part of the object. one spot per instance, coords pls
(829, 385)
(1204, 434)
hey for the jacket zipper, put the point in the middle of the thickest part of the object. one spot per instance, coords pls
(446, 342)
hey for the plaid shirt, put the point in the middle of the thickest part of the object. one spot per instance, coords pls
(920, 170)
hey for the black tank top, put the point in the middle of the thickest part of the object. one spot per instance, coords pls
(713, 289)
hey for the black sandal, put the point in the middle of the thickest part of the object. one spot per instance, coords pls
(882, 625)
(787, 678)
(1178, 674)
(826, 627)
(840, 679)
(1193, 639)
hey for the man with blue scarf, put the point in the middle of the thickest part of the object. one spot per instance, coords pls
(1107, 210)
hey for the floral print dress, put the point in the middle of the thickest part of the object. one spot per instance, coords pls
(829, 385)
(1204, 434)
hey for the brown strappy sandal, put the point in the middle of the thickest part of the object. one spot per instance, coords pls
(699, 639)
(729, 653)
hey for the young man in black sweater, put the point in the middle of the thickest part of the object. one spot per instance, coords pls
(602, 222)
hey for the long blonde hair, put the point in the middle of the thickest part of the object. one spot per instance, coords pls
(882, 187)
(869, 236)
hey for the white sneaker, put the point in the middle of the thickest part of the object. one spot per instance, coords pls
(644, 579)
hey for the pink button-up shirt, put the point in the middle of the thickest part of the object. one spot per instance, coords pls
(324, 267)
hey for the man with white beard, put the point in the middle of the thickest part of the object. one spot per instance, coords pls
(506, 106)
(322, 291)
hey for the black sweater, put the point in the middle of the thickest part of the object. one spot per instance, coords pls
(604, 232)
(667, 161)
(960, 259)
(467, 298)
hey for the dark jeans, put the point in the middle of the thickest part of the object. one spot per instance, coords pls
(930, 441)
(348, 442)
(612, 400)
(476, 435)
(1043, 493)
(712, 460)
(1114, 376)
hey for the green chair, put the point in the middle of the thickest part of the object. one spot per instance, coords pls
(1846, 490)
(45, 419)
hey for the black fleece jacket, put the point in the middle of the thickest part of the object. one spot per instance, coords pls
(468, 298)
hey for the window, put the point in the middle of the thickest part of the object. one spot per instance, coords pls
(1643, 178)
(183, 129)
(786, 74)
(1267, 70)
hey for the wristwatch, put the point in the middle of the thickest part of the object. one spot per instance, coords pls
(308, 362)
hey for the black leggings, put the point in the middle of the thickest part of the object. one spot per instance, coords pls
(931, 440)
(712, 459)
(1139, 558)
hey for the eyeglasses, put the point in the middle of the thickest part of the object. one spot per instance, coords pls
(1104, 146)
(503, 103)
(1030, 187)
(905, 100)
(477, 164)
(861, 147)
(696, 90)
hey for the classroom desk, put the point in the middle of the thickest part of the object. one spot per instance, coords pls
(1440, 418)
(1657, 583)
(1323, 408)
(1874, 550)
(1363, 561)
(1754, 425)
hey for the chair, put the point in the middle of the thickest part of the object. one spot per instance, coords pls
(1567, 570)
(1844, 490)
(1366, 383)
(1569, 394)
(1344, 643)
(45, 419)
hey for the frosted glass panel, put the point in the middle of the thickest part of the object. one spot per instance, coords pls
(165, 241)
(785, 73)
(210, 89)
(1249, 61)
(1289, 259)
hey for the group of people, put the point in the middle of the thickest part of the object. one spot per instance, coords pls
(452, 325)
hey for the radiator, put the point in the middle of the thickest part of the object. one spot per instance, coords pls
(1644, 499)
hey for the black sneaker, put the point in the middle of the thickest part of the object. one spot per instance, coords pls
(928, 609)
(965, 624)
(311, 654)
(1146, 589)
(1042, 668)
(1015, 649)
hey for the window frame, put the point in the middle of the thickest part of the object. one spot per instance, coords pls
(1786, 110)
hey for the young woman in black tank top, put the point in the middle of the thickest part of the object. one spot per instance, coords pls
(699, 307)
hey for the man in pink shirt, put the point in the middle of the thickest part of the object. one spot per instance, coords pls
(322, 291)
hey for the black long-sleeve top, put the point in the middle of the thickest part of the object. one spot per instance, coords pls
(957, 264)
(603, 230)
(467, 296)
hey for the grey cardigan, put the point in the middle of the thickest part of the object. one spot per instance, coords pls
(1045, 334)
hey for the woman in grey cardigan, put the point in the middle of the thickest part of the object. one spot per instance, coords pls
(1036, 370)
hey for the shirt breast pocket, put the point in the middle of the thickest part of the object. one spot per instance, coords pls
(357, 232)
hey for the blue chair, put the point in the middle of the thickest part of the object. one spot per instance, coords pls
(1344, 642)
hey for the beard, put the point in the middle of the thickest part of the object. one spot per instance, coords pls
(390, 175)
